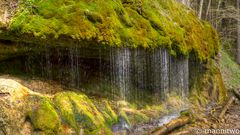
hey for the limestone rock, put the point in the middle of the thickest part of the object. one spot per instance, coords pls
(12, 106)
(7, 8)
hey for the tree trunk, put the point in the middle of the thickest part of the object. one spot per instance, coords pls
(208, 8)
(236, 93)
(176, 123)
(185, 2)
(200, 9)
(217, 15)
(238, 32)
(226, 107)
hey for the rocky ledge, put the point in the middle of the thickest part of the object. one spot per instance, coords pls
(119, 23)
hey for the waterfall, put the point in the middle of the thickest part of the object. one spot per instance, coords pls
(121, 66)
(185, 80)
(72, 67)
(132, 74)
(139, 72)
(48, 64)
(179, 75)
(77, 72)
(160, 72)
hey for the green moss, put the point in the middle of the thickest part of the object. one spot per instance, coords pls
(106, 110)
(77, 110)
(208, 84)
(122, 115)
(153, 111)
(44, 117)
(66, 110)
(93, 116)
(219, 87)
(135, 116)
(145, 23)
(185, 113)
(230, 70)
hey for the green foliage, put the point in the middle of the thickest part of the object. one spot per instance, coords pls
(131, 23)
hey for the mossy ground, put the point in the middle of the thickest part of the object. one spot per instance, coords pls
(230, 70)
(58, 113)
(128, 23)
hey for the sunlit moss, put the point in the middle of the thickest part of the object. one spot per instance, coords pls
(78, 111)
(106, 110)
(131, 23)
(65, 108)
(45, 118)
(133, 116)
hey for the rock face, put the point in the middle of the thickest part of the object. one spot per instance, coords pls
(13, 107)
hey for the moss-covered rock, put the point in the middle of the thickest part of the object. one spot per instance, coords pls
(13, 104)
(45, 118)
(133, 116)
(208, 86)
(66, 111)
(145, 23)
(79, 112)
(107, 111)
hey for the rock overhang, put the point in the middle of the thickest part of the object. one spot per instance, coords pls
(125, 23)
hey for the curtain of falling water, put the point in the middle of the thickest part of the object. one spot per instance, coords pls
(72, 67)
(60, 66)
(74, 71)
(132, 72)
(149, 70)
(179, 75)
(160, 72)
(139, 72)
(185, 78)
(120, 60)
(165, 71)
(77, 67)
(48, 63)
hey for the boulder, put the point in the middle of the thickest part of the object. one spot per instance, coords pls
(13, 107)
